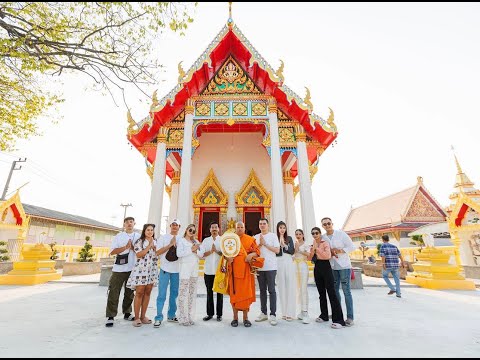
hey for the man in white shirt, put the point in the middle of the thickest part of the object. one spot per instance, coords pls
(122, 247)
(269, 248)
(211, 250)
(341, 245)
(169, 273)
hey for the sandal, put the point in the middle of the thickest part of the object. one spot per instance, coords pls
(146, 320)
(288, 318)
(247, 323)
(137, 323)
(234, 323)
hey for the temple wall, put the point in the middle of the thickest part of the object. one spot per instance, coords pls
(232, 156)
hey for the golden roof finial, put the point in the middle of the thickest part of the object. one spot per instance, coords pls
(230, 19)
(462, 179)
(181, 72)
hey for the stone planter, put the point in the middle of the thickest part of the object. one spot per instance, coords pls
(471, 272)
(59, 264)
(107, 260)
(376, 271)
(81, 268)
(6, 266)
(357, 264)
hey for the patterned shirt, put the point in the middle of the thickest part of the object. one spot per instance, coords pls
(391, 254)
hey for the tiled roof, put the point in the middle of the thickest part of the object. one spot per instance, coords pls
(37, 211)
(387, 210)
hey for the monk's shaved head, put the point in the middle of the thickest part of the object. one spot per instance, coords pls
(240, 228)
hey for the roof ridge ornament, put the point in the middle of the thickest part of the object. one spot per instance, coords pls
(230, 18)
(307, 99)
(181, 72)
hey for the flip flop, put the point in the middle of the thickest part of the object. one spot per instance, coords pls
(146, 320)
(137, 323)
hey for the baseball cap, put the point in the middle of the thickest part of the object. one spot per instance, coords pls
(175, 221)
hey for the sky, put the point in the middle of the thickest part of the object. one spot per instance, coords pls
(402, 78)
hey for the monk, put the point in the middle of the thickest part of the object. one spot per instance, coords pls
(241, 283)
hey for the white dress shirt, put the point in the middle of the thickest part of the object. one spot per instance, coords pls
(340, 240)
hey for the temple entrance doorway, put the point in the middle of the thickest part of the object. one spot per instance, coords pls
(251, 222)
(206, 218)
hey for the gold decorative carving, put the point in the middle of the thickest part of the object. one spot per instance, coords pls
(282, 116)
(266, 141)
(181, 72)
(230, 122)
(307, 99)
(259, 109)
(220, 109)
(286, 134)
(422, 209)
(131, 124)
(279, 72)
(313, 170)
(176, 177)
(175, 136)
(231, 79)
(202, 109)
(180, 117)
(150, 169)
(287, 178)
(253, 193)
(296, 189)
(300, 133)
(195, 143)
(162, 135)
(168, 189)
(210, 193)
(240, 109)
(189, 107)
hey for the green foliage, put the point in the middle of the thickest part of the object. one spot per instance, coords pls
(54, 251)
(111, 42)
(379, 245)
(85, 254)
(3, 251)
(418, 241)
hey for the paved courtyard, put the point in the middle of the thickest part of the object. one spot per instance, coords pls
(66, 319)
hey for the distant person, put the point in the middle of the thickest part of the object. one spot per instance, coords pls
(212, 251)
(286, 276)
(341, 245)
(390, 255)
(124, 262)
(144, 275)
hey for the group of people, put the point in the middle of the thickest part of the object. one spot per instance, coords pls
(284, 263)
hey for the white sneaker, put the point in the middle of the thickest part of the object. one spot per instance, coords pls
(349, 322)
(273, 320)
(305, 318)
(261, 317)
(300, 316)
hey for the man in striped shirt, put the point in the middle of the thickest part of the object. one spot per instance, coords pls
(390, 255)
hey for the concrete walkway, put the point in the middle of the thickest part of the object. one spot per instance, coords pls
(67, 320)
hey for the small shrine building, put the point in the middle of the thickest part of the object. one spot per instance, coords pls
(232, 142)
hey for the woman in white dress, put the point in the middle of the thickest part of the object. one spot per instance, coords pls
(188, 256)
(144, 274)
(286, 273)
(302, 251)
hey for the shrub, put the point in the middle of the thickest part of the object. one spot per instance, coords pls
(3, 251)
(85, 254)
(54, 251)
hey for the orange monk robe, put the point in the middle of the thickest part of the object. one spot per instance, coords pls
(241, 283)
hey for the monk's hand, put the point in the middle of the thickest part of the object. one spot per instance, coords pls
(230, 260)
(250, 257)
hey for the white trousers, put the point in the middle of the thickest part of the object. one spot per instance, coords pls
(302, 282)
(286, 285)
(187, 295)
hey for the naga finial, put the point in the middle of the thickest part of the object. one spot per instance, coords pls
(181, 72)
(330, 120)
(279, 72)
(307, 99)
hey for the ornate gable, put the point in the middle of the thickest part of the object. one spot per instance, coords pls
(422, 209)
(253, 193)
(210, 193)
(12, 214)
(230, 79)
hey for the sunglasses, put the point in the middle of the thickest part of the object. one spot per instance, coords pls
(191, 231)
(326, 224)
(315, 233)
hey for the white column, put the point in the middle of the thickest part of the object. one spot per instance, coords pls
(184, 204)
(278, 196)
(289, 203)
(158, 182)
(306, 197)
(174, 196)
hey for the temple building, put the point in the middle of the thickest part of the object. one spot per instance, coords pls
(232, 142)
(395, 215)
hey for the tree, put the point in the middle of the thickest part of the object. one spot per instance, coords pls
(363, 248)
(85, 254)
(418, 240)
(3, 252)
(110, 42)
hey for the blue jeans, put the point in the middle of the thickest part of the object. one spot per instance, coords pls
(343, 277)
(396, 278)
(163, 279)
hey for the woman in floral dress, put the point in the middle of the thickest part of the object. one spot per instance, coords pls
(144, 275)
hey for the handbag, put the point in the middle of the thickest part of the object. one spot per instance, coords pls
(352, 275)
(171, 254)
(220, 283)
(121, 259)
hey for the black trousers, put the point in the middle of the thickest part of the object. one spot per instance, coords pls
(324, 280)
(209, 284)
(266, 280)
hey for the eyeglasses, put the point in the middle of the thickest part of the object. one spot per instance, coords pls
(191, 231)
(315, 233)
(327, 224)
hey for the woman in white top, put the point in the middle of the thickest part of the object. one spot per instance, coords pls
(188, 256)
(286, 273)
(144, 274)
(302, 251)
